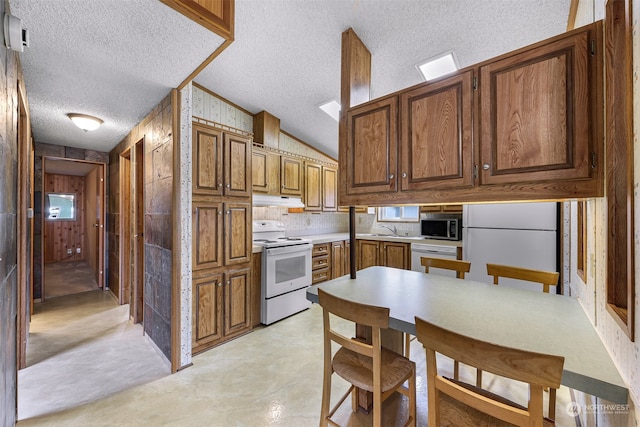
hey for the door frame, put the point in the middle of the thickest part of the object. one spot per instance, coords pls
(103, 209)
(125, 228)
(24, 210)
(137, 215)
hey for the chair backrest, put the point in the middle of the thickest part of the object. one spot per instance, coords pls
(536, 369)
(459, 266)
(367, 315)
(546, 278)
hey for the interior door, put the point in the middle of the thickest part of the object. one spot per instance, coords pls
(94, 205)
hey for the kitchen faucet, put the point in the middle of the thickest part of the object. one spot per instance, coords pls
(394, 230)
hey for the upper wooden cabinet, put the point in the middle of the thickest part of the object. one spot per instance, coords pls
(207, 161)
(535, 113)
(215, 15)
(221, 161)
(265, 171)
(266, 129)
(526, 125)
(312, 187)
(329, 189)
(291, 176)
(320, 188)
(436, 138)
(237, 166)
(372, 147)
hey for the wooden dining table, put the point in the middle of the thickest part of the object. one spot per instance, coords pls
(533, 321)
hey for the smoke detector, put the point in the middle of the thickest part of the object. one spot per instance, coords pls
(15, 37)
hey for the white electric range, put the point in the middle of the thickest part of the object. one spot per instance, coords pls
(286, 271)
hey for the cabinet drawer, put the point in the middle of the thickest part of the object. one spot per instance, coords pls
(321, 261)
(321, 249)
(320, 276)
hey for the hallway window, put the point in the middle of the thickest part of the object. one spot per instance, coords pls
(60, 206)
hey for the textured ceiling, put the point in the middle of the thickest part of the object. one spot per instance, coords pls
(116, 59)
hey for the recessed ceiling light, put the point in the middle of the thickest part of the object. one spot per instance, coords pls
(332, 108)
(438, 66)
(85, 122)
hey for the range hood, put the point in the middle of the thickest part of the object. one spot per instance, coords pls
(282, 201)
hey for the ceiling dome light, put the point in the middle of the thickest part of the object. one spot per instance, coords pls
(85, 122)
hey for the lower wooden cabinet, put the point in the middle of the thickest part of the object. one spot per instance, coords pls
(368, 253)
(320, 263)
(221, 307)
(394, 254)
(388, 254)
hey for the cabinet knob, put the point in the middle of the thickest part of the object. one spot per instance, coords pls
(219, 283)
(228, 185)
(219, 184)
(404, 174)
(391, 176)
(486, 166)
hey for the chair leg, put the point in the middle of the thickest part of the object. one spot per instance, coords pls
(412, 398)
(407, 345)
(479, 379)
(377, 409)
(326, 399)
(552, 403)
(456, 370)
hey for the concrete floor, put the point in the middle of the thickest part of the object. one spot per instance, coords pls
(89, 366)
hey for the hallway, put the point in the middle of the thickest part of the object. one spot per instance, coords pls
(83, 348)
(68, 277)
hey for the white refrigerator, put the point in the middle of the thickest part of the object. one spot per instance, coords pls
(516, 234)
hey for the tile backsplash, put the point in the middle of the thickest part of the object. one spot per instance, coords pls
(305, 224)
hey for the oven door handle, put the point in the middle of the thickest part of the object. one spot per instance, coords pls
(289, 249)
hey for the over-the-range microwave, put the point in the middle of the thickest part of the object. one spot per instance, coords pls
(442, 228)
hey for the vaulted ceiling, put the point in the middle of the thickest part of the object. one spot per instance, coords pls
(117, 59)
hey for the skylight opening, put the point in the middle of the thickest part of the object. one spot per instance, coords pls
(438, 66)
(332, 108)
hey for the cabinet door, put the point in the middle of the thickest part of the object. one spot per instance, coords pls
(207, 235)
(535, 113)
(237, 233)
(368, 253)
(291, 176)
(436, 142)
(395, 254)
(312, 187)
(237, 179)
(329, 189)
(347, 257)
(207, 161)
(265, 167)
(206, 323)
(372, 146)
(337, 259)
(237, 301)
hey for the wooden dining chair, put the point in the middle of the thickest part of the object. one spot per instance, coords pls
(546, 279)
(452, 402)
(461, 268)
(367, 366)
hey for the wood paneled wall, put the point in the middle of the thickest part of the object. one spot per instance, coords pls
(60, 236)
(156, 129)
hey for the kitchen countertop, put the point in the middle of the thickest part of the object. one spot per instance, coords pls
(317, 239)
